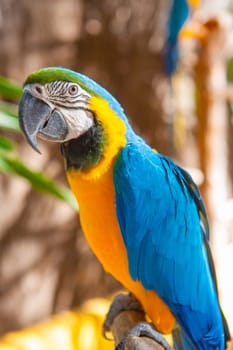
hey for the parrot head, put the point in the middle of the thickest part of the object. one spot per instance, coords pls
(68, 108)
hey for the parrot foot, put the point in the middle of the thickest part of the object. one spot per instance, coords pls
(145, 329)
(122, 302)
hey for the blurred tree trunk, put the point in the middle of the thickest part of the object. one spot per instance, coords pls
(45, 264)
(121, 47)
(211, 83)
(214, 141)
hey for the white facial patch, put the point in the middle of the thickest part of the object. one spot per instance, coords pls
(78, 120)
(71, 100)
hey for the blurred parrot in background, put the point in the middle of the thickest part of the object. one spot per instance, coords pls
(142, 215)
(179, 12)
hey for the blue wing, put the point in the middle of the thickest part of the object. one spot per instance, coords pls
(158, 209)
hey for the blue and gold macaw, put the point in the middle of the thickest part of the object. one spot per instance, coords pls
(142, 215)
(178, 14)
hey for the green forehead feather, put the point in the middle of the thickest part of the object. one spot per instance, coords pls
(47, 75)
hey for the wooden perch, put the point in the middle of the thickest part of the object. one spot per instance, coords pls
(123, 323)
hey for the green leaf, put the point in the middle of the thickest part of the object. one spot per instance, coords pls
(9, 108)
(5, 144)
(9, 163)
(9, 89)
(39, 181)
(230, 69)
(8, 122)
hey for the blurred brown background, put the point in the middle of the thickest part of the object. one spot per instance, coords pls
(45, 264)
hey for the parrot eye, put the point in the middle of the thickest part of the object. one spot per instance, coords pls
(38, 89)
(73, 89)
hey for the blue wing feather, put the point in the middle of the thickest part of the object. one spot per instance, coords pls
(158, 209)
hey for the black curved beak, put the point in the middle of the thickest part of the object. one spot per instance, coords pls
(37, 117)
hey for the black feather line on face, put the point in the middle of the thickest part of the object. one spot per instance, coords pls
(85, 151)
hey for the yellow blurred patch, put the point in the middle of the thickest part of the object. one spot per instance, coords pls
(194, 3)
(193, 29)
(74, 330)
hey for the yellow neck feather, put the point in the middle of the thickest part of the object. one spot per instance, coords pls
(114, 129)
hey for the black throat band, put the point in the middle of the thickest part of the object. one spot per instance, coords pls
(85, 151)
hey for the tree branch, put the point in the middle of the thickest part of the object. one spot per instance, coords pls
(123, 323)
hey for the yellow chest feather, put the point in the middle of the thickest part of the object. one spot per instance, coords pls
(94, 191)
(101, 229)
